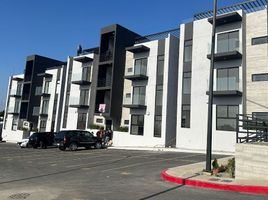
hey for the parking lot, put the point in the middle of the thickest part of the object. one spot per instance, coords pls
(37, 174)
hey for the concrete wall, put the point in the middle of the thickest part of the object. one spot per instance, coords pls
(257, 62)
(251, 161)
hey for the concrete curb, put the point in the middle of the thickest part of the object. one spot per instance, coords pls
(226, 187)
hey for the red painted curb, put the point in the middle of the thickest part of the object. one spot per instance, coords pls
(203, 184)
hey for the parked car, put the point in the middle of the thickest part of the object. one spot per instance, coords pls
(73, 139)
(24, 143)
(41, 139)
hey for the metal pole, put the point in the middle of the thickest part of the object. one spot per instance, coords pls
(210, 100)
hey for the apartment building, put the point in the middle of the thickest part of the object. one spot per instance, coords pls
(26, 105)
(51, 99)
(238, 64)
(80, 90)
(151, 71)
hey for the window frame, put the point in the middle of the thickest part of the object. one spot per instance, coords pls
(139, 126)
(256, 39)
(233, 118)
(252, 77)
(228, 77)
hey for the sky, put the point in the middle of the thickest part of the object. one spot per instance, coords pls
(54, 28)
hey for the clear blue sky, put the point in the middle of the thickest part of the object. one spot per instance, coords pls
(54, 28)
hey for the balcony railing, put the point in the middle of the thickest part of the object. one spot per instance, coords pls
(77, 102)
(226, 49)
(13, 110)
(104, 82)
(136, 73)
(137, 101)
(226, 87)
(106, 56)
(15, 93)
(80, 79)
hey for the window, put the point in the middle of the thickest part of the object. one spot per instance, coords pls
(99, 120)
(137, 123)
(36, 111)
(65, 114)
(160, 70)
(43, 124)
(260, 77)
(86, 73)
(188, 51)
(17, 106)
(259, 40)
(46, 87)
(14, 124)
(45, 107)
(140, 66)
(157, 125)
(227, 42)
(84, 97)
(128, 95)
(186, 83)
(228, 79)
(226, 117)
(126, 122)
(19, 89)
(185, 116)
(38, 90)
(81, 122)
(139, 95)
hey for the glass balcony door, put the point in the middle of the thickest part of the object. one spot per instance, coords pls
(140, 67)
(227, 42)
(138, 95)
(228, 79)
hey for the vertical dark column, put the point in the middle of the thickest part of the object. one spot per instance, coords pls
(186, 76)
(159, 88)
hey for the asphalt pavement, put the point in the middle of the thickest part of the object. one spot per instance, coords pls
(51, 174)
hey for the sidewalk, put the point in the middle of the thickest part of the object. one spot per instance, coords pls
(192, 175)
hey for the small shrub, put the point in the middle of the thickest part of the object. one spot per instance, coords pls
(231, 167)
(215, 164)
(95, 126)
(123, 129)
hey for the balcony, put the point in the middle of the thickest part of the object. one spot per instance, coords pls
(136, 73)
(13, 110)
(226, 50)
(80, 79)
(43, 114)
(17, 79)
(226, 18)
(83, 59)
(137, 102)
(76, 102)
(106, 56)
(15, 93)
(226, 88)
(104, 83)
(138, 49)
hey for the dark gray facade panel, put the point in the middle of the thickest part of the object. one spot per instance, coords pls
(188, 31)
(244, 63)
(161, 47)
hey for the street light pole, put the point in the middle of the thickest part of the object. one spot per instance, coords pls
(210, 100)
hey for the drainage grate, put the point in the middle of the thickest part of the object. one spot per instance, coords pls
(214, 179)
(19, 196)
(226, 181)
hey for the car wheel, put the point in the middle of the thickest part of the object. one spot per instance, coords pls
(98, 145)
(73, 146)
(62, 148)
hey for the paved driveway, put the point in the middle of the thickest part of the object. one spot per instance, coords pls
(50, 174)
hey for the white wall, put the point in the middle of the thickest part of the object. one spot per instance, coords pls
(194, 138)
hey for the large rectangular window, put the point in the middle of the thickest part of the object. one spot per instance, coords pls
(81, 121)
(185, 116)
(186, 83)
(84, 94)
(43, 124)
(46, 87)
(157, 125)
(86, 73)
(137, 123)
(138, 95)
(227, 42)
(226, 117)
(19, 89)
(140, 66)
(260, 115)
(259, 40)
(45, 106)
(260, 77)
(188, 51)
(228, 79)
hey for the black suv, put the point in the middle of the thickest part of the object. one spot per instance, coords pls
(73, 139)
(41, 139)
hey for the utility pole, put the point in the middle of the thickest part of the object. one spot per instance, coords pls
(210, 99)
